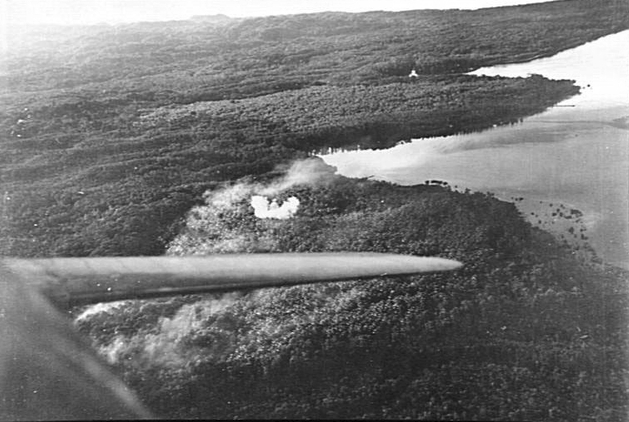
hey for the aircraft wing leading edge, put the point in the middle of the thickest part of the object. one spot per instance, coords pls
(47, 371)
(80, 281)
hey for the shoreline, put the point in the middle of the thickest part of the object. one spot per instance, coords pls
(142, 151)
(573, 226)
(576, 149)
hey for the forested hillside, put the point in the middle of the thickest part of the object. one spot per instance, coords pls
(152, 138)
(110, 133)
(524, 332)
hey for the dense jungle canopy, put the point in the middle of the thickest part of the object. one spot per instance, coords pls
(151, 138)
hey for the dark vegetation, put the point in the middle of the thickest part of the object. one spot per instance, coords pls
(110, 135)
(523, 332)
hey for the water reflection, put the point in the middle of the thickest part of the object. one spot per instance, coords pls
(576, 153)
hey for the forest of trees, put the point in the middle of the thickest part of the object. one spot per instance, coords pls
(95, 184)
(525, 331)
(115, 141)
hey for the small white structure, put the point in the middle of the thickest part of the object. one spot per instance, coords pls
(413, 74)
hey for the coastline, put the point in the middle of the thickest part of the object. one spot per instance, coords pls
(146, 148)
(575, 153)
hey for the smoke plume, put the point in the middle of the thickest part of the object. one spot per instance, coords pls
(224, 224)
(167, 344)
(264, 209)
(305, 172)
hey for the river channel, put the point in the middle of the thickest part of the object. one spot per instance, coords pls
(574, 156)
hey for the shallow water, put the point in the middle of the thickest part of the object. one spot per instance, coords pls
(576, 153)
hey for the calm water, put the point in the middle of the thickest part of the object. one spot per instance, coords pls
(575, 154)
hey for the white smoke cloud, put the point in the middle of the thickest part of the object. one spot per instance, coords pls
(165, 346)
(264, 209)
(98, 308)
(206, 230)
(304, 172)
(113, 350)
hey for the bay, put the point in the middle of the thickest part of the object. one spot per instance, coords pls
(574, 156)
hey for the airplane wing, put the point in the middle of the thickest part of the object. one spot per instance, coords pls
(47, 371)
(80, 281)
